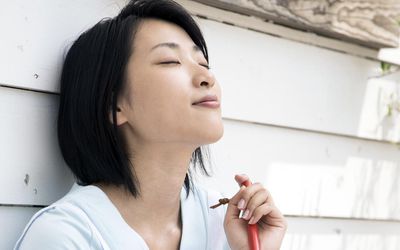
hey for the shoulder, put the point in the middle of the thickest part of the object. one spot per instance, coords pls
(62, 225)
(58, 227)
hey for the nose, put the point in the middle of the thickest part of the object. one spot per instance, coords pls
(203, 77)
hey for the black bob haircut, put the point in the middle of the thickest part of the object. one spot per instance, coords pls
(92, 78)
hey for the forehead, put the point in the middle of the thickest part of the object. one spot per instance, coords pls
(153, 31)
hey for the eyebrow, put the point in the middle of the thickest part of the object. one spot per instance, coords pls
(173, 46)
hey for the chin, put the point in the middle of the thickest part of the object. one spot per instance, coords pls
(213, 135)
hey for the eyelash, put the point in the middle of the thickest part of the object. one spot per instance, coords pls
(177, 62)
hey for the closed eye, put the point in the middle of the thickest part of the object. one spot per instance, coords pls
(205, 66)
(170, 62)
(177, 62)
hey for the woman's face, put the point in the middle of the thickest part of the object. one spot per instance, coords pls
(167, 75)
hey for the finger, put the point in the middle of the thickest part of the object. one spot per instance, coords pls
(240, 178)
(268, 214)
(247, 193)
(259, 198)
(232, 209)
(239, 200)
(260, 211)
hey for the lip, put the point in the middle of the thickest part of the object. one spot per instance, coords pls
(208, 101)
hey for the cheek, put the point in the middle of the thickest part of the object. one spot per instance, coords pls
(159, 102)
(165, 93)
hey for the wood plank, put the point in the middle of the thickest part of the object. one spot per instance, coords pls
(390, 55)
(270, 80)
(32, 166)
(337, 234)
(370, 23)
(311, 174)
(203, 11)
(12, 222)
(32, 49)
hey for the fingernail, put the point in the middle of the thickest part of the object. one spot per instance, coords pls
(246, 213)
(241, 204)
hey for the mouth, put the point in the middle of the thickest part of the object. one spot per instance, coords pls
(209, 101)
(208, 104)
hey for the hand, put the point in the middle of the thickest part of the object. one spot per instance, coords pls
(258, 203)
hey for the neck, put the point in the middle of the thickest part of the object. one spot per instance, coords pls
(161, 170)
(161, 173)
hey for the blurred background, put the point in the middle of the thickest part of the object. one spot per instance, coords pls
(311, 107)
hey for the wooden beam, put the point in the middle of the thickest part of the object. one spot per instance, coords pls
(371, 23)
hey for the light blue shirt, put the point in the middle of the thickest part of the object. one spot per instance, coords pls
(85, 218)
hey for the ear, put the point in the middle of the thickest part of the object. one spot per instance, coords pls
(121, 117)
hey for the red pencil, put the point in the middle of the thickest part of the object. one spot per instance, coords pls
(252, 229)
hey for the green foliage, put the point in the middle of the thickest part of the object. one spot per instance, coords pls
(385, 67)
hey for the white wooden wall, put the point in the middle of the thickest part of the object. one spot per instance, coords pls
(304, 117)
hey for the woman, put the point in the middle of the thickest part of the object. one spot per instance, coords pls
(137, 102)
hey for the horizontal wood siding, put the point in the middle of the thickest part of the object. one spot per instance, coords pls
(305, 120)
